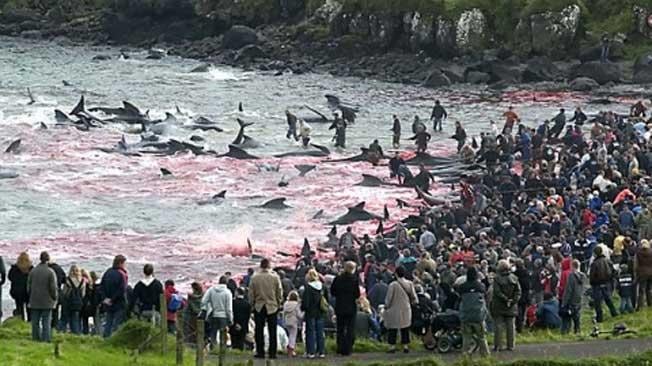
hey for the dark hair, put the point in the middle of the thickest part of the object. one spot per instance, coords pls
(240, 291)
(148, 269)
(119, 260)
(223, 280)
(197, 287)
(471, 274)
(400, 272)
(45, 257)
(169, 283)
(265, 263)
(548, 296)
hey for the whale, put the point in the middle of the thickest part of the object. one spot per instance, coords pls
(304, 169)
(354, 214)
(435, 201)
(363, 156)
(275, 204)
(322, 151)
(8, 174)
(215, 200)
(242, 140)
(237, 153)
(14, 147)
(427, 159)
(373, 181)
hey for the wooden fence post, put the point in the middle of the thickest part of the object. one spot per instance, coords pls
(179, 338)
(200, 343)
(164, 325)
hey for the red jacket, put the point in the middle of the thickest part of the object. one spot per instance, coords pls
(563, 280)
(588, 218)
(169, 291)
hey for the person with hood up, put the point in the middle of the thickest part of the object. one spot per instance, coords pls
(643, 274)
(398, 310)
(600, 277)
(43, 293)
(314, 304)
(566, 271)
(18, 274)
(571, 301)
(346, 290)
(504, 299)
(292, 316)
(147, 297)
(218, 307)
(174, 303)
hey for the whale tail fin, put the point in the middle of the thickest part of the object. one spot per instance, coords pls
(220, 195)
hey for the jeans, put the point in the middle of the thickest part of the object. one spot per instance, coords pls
(113, 320)
(405, 336)
(601, 293)
(315, 336)
(626, 305)
(42, 325)
(345, 334)
(218, 325)
(574, 318)
(504, 324)
(604, 55)
(21, 309)
(437, 124)
(71, 318)
(261, 318)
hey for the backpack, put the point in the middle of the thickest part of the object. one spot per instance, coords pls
(323, 304)
(175, 303)
(75, 299)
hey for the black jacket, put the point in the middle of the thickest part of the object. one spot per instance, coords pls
(311, 300)
(114, 287)
(148, 297)
(241, 313)
(18, 290)
(346, 290)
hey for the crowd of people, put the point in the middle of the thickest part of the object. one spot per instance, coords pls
(519, 250)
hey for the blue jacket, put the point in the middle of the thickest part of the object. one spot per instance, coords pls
(548, 314)
(114, 287)
(626, 220)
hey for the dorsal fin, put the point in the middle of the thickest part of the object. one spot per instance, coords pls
(358, 207)
(220, 195)
(80, 107)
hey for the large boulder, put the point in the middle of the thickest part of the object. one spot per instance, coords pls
(601, 72)
(594, 53)
(471, 31)
(584, 84)
(550, 33)
(454, 73)
(384, 29)
(497, 71)
(477, 77)
(436, 79)
(541, 69)
(643, 69)
(239, 36)
(249, 53)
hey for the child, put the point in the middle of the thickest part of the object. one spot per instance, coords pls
(292, 318)
(625, 290)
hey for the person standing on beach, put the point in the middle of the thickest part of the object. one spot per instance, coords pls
(43, 293)
(438, 115)
(396, 132)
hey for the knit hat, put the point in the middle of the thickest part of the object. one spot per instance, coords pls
(645, 244)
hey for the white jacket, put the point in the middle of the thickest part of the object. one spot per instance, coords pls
(218, 303)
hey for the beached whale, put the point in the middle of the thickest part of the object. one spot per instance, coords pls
(322, 151)
(238, 153)
(355, 213)
(372, 181)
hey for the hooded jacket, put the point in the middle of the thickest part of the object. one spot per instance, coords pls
(292, 314)
(218, 303)
(506, 294)
(147, 294)
(574, 290)
(311, 300)
(563, 280)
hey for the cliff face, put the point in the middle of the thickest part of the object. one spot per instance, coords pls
(439, 28)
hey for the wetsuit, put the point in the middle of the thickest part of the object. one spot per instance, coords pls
(340, 134)
(579, 118)
(558, 127)
(422, 180)
(396, 133)
(460, 136)
(438, 115)
(375, 153)
(422, 139)
(394, 164)
(292, 126)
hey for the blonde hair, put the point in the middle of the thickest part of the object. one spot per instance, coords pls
(349, 267)
(23, 262)
(72, 270)
(312, 275)
(364, 304)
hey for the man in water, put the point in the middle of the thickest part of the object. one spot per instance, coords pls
(394, 163)
(304, 132)
(348, 239)
(638, 109)
(396, 132)
(604, 55)
(511, 118)
(423, 179)
(438, 115)
(558, 127)
(421, 140)
(292, 125)
(340, 131)
(375, 152)
(417, 125)
(579, 117)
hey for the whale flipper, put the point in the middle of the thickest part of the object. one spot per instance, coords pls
(304, 169)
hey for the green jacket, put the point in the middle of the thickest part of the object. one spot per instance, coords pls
(505, 295)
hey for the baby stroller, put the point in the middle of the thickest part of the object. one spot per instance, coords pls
(445, 333)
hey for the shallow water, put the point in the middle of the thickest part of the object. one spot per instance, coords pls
(85, 206)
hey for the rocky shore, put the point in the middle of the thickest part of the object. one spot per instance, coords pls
(410, 43)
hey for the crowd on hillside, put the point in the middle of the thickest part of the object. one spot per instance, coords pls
(518, 251)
